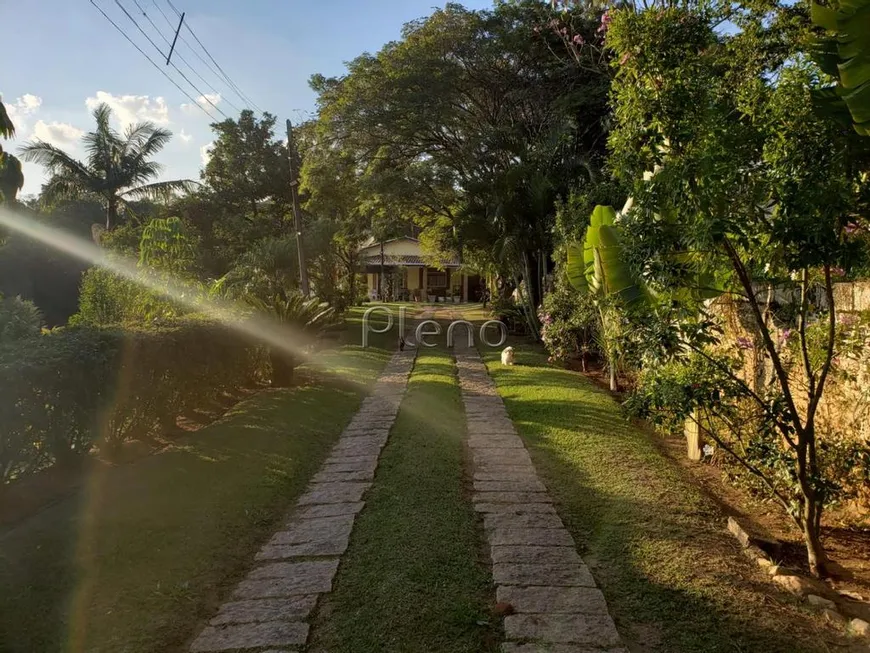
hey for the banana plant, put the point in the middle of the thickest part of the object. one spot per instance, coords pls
(597, 266)
(844, 53)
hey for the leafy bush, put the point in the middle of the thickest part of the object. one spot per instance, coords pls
(569, 324)
(302, 321)
(77, 388)
(19, 319)
(511, 315)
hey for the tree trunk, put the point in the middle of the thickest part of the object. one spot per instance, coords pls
(111, 214)
(614, 380)
(381, 275)
(283, 367)
(816, 556)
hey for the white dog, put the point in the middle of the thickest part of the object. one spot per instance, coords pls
(507, 356)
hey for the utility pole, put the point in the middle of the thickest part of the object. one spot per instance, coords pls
(297, 211)
(172, 47)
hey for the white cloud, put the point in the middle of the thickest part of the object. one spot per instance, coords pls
(205, 153)
(184, 136)
(208, 102)
(61, 134)
(132, 108)
(22, 107)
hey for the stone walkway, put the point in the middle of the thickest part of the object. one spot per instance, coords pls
(271, 606)
(556, 606)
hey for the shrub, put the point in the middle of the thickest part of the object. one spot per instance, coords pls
(80, 387)
(569, 324)
(511, 315)
(19, 319)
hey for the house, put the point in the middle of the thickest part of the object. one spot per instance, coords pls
(407, 277)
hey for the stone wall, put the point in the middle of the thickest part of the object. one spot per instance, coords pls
(844, 411)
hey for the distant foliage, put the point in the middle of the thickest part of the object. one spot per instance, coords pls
(19, 319)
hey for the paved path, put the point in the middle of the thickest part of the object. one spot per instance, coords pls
(271, 606)
(556, 606)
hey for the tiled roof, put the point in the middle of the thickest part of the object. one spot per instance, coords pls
(404, 259)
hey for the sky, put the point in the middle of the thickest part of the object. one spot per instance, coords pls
(69, 58)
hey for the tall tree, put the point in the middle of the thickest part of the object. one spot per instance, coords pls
(474, 127)
(737, 178)
(117, 171)
(248, 167)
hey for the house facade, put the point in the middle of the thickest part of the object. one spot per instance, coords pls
(405, 275)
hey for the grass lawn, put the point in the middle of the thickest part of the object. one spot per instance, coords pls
(134, 561)
(414, 579)
(673, 578)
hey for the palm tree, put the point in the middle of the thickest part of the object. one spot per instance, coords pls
(117, 170)
(7, 129)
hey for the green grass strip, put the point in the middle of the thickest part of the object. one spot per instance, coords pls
(672, 577)
(144, 552)
(413, 579)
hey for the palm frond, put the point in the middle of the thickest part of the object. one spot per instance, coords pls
(63, 187)
(152, 143)
(161, 190)
(53, 158)
(7, 129)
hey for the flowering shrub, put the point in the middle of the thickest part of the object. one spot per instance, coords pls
(569, 324)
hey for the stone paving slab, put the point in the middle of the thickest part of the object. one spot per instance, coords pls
(529, 536)
(312, 549)
(242, 636)
(329, 510)
(553, 600)
(527, 485)
(271, 606)
(296, 608)
(523, 520)
(564, 555)
(593, 630)
(512, 497)
(337, 477)
(510, 647)
(536, 568)
(315, 529)
(542, 574)
(513, 508)
(338, 492)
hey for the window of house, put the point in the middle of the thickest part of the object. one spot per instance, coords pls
(437, 280)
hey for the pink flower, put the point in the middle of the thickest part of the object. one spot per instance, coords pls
(851, 228)
(838, 272)
(578, 39)
(847, 318)
(744, 343)
(784, 335)
(606, 18)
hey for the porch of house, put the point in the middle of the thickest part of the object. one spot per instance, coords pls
(422, 284)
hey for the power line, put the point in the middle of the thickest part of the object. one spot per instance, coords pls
(197, 54)
(178, 56)
(208, 54)
(150, 60)
(177, 69)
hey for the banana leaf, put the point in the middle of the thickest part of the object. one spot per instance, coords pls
(844, 53)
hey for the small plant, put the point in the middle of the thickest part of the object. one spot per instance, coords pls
(302, 321)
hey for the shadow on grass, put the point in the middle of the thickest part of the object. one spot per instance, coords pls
(673, 578)
(143, 552)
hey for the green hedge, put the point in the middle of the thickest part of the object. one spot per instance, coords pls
(65, 392)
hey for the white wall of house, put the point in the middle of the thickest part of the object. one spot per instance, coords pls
(400, 247)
